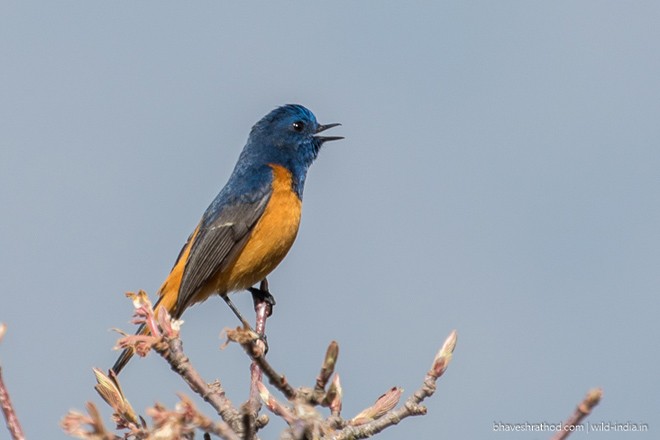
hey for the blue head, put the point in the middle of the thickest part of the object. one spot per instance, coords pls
(287, 136)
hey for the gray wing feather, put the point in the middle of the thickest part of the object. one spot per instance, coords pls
(216, 245)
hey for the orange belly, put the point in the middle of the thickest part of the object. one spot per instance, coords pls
(270, 240)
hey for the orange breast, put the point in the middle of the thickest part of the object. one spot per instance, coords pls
(270, 240)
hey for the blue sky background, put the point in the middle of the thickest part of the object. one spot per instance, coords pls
(500, 176)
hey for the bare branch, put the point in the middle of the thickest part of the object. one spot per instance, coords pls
(303, 418)
(328, 367)
(182, 421)
(333, 398)
(581, 411)
(412, 405)
(8, 411)
(263, 309)
(88, 427)
(164, 339)
(172, 352)
(248, 339)
(274, 406)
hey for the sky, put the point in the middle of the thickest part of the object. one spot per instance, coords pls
(499, 176)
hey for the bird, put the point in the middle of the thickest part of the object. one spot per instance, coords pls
(249, 227)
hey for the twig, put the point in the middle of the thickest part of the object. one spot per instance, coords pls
(327, 368)
(274, 378)
(172, 352)
(221, 429)
(412, 406)
(250, 342)
(164, 339)
(90, 426)
(333, 398)
(263, 309)
(181, 422)
(11, 419)
(13, 424)
(581, 411)
(300, 414)
(274, 406)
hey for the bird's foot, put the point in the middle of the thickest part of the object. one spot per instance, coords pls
(262, 295)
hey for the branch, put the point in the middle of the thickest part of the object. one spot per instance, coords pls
(89, 426)
(179, 423)
(412, 406)
(172, 352)
(304, 420)
(263, 307)
(11, 420)
(581, 411)
(249, 340)
(164, 339)
(327, 368)
(182, 421)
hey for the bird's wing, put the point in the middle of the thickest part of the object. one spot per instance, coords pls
(216, 244)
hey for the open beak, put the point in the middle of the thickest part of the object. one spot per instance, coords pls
(327, 138)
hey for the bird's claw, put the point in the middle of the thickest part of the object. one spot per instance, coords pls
(262, 295)
(264, 339)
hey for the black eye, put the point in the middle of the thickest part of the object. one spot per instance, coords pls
(298, 126)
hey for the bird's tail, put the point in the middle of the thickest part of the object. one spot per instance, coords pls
(128, 353)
